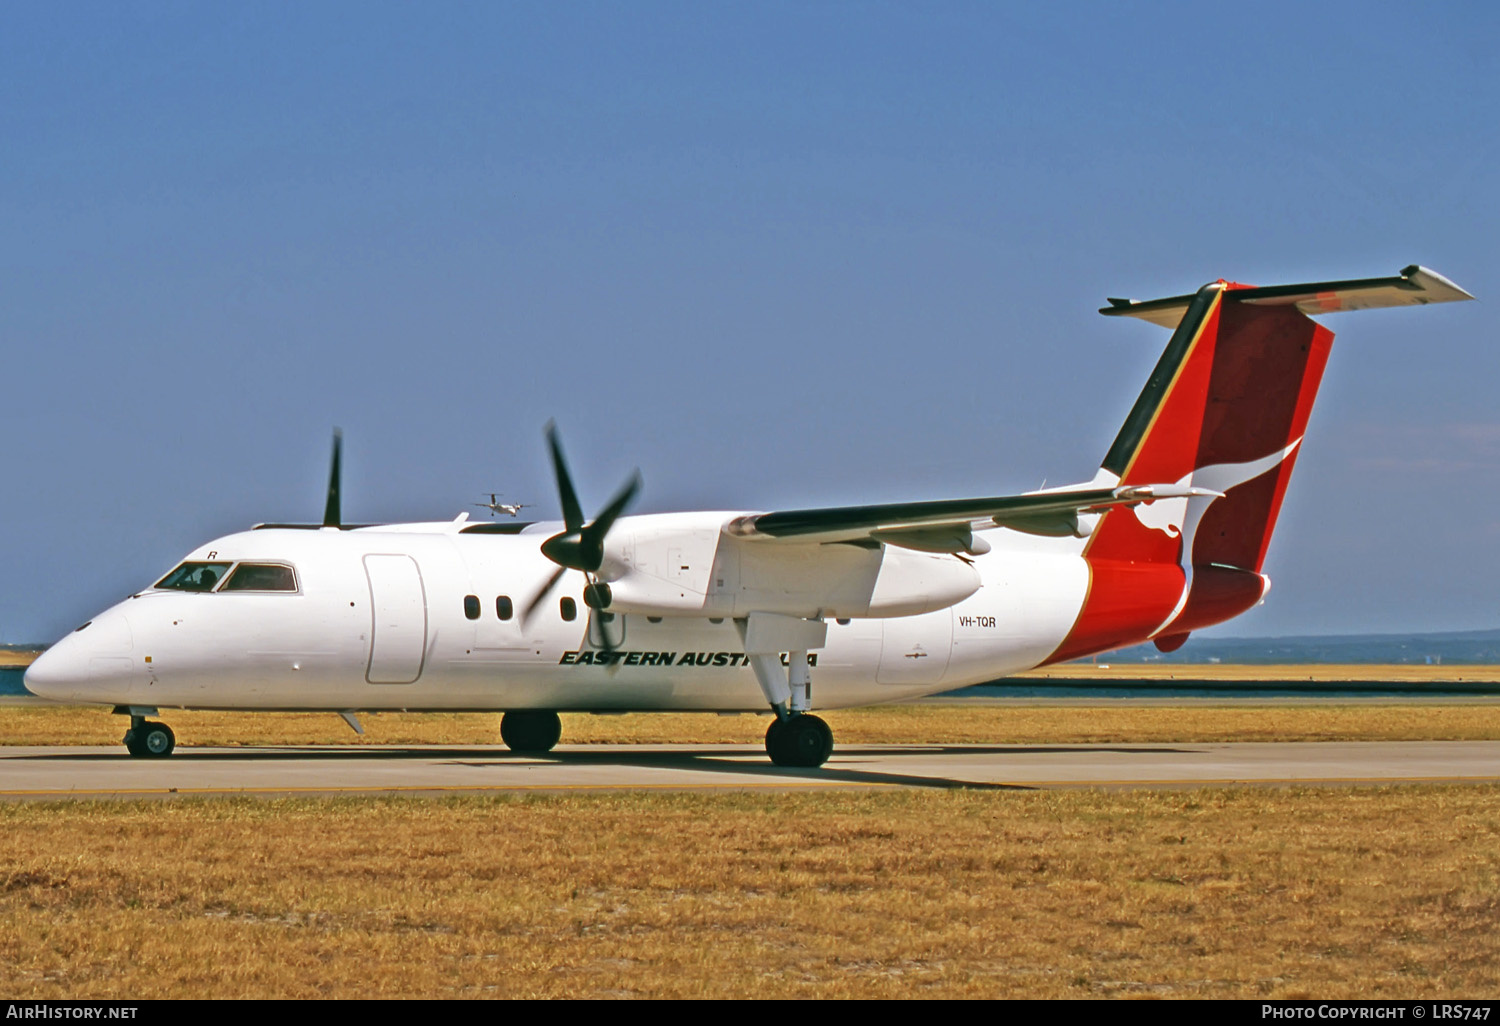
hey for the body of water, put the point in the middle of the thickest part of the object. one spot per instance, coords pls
(10, 680)
(1221, 689)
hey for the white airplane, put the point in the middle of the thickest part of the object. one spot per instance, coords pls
(741, 611)
(495, 506)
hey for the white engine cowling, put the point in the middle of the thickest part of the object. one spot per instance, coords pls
(685, 565)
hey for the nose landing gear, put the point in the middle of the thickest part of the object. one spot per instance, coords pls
(147, 739)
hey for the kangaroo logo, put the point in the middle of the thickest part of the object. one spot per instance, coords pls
(1178, 518)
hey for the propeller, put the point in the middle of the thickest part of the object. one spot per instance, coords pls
(333, 509)
(580, 546)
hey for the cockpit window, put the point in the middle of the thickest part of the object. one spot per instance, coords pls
(194, 577)
(261, 577)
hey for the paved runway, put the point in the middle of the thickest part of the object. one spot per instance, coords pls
(334, 769)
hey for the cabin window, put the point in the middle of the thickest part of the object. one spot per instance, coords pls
(262, 577)
(568, 608)
(504, 608)
(194, 577)
(471, 606)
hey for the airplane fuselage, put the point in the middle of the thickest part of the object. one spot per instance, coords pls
(385, 618)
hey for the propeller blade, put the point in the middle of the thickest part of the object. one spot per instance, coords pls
(333, 509)
(541, 596)
(572, 512)
(580, 545)
(606, 643)
(594, 533)
(597, 618)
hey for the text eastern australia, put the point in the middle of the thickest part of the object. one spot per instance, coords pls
(587, 657)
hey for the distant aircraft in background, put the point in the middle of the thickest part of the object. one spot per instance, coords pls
(495, 506)
(738, 611)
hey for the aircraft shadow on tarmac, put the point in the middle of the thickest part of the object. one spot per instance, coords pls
(740, 761)
(716, 762)
(704, 762)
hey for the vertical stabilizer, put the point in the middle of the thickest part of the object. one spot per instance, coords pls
(1225, 410)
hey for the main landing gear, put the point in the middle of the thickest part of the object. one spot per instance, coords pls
(530, 731)
(796, 737)
(801, 740)
(147, 739)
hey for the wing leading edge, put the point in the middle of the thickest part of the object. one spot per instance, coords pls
(947, 525)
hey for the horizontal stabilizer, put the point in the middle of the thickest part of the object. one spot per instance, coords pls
(1414, 286)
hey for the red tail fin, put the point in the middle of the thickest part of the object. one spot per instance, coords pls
(1239, 382)
(1225, 409)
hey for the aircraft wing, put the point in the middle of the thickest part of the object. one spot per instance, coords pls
(947, 525)
(1414, 286)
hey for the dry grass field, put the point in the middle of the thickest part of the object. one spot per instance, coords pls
(1216, 892)
(1473, 720)
(1248, 893)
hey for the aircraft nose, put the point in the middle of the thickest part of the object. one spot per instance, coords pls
(57, 671)
(91, 664)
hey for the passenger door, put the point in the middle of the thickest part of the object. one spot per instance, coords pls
(398, 604)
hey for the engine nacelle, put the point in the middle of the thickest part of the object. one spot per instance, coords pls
(680, 565)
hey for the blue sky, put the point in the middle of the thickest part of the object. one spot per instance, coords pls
(774, 254)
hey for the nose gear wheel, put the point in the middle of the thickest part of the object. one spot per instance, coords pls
(150, 740)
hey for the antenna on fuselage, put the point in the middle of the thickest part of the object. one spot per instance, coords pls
(333, 510)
